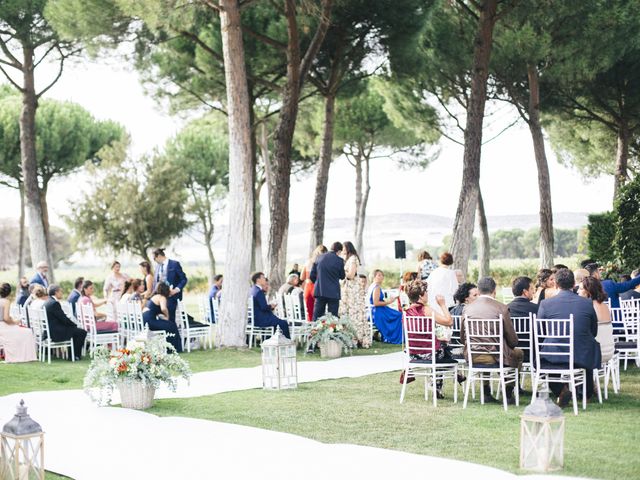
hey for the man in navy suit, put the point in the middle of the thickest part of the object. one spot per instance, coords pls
(61, 328)
(75, 294)
(170, 272)
(41, 275)
(586, 350)
(326, 274)
(263, 315)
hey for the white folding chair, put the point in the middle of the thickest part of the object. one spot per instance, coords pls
(94, 337)
(507, 295)
(419, 339)
(554, 339)
(188, 333)
(523, 328)
(205, 306)
(299, 328)
(253, 332)
(629, 348)
(485, 337)
(40, 324)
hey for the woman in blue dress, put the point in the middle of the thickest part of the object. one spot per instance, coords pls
(156, 316)
(387, 320)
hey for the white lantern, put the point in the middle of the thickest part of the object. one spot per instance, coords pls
(279, 364)
(542, 435)
(22, 448)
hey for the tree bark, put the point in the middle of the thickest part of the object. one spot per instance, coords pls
(322, 179)
(463, 225)
(22, 234)
(44, 205)
(544, 184)
(622, 159)
(37, 235)
(233, 310)
(484, 246)
(357, 163)
(362, 211)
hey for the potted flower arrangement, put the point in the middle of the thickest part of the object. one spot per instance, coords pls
(137, 371)
(333, 335)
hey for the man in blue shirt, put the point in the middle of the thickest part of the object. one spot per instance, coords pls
(613, 289)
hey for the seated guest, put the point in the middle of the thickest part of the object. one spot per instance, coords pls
(156, 316)
(523, 290)
(634, 292)
(586, 353)
(293, 280)
(611, 288)
(403, 298)
(23, 291)
(387, 320)
(216, 288)
(460, 276)
(465, 294)
(39, 294)
(487, 307)
(18, 343)
(61, 327)
(127, 290)
(417, 293)
(75, 294)
(263, 315)
(557, 267)
(591, 288)
(35, 290)
(579, 275)
(87, 301)
(545, 285)
(137, 290)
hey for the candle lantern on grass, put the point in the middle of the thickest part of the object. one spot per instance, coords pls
(279, 364)
(22, 448)
(542, 435)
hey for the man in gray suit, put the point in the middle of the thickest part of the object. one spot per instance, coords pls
(487, 307)
(586, 350)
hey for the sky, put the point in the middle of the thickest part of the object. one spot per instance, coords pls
(111, 90)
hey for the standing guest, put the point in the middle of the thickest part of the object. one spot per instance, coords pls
(466, 294)
(443, 281)
(326, 274)
(308, 285)
(364, 281)
(295, 270)
(591, 288)
(87, 301)
(633, 293)
(586, 351)
(352, 296)
(147, 279)
(23, 291)
(426, 265)
(42, 268)
(156, 316)
(18, 343)
(216, 287)
(61, 327)
(388, 321)
(523, 290)
(170, 272)
(611, 288)
(75, 294)
(263, 315)
(487, 307)
(545, 285)
(114, 287)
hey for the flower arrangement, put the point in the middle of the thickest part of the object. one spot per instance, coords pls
(328, 328)
(152, 362)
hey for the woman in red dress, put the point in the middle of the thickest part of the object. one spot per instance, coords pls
(309, 299)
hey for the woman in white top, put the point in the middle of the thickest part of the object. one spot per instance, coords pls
(591, 288)
(443, 281)
(18, 343)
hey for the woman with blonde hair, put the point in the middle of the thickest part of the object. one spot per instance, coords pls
(309, 299)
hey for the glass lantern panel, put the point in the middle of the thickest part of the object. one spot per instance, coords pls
(20, 459)
(541, 445)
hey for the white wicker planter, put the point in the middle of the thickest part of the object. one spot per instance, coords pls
(136, 395)
(330, 349)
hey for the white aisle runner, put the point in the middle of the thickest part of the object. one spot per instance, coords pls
(86, 442)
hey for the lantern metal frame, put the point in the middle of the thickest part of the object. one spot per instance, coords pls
(279, 363)
(22, 448)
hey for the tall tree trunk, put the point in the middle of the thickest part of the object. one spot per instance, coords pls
(258, 262)
(37, 235)
(208, 238)
(622, 159)
(233, 312)
(322, 179)
(356, 220)
(484, 246)
(544, 184)
(362, 212)
(463, 225)
(44, 205)
(21, 240)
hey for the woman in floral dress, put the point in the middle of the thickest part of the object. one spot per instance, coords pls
(352, 296)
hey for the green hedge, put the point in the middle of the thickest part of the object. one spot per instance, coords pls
(601, 234)
(627, 225)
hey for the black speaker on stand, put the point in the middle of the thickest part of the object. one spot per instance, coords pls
(401, 253)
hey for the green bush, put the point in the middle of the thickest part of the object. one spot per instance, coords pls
(626, 242)
(602, 230)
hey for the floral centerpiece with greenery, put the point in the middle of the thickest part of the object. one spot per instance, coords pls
(339, 329)
(150, 362)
